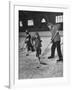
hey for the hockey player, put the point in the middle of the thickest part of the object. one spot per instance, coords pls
(38, 45)
(55, 41)
(28, 42)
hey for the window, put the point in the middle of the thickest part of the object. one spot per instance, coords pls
(30, 23)
(43, 20)
(21, 24)
(59, 19)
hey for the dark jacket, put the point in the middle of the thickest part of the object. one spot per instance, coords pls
(37, 43)
(28, 38)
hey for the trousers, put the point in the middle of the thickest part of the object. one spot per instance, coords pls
(58, 46)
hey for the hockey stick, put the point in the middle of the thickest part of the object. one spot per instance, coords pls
(46, 49)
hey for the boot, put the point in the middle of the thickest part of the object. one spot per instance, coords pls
(50, 57)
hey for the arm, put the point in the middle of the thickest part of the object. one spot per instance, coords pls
(54, 36)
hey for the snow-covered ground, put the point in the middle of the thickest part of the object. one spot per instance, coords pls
(28, 64)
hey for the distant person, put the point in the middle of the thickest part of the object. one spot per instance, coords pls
(55, 41)
(28, 42)
(38, 45)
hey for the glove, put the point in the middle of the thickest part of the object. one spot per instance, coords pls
(52, 41)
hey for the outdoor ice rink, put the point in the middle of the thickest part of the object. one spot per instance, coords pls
(28, 64)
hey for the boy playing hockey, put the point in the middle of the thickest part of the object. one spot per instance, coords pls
(37, 45)
(28, 42)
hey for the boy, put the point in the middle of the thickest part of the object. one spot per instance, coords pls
(38, 45)
(55, 41)
(28, 42)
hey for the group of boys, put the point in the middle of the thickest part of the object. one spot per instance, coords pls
(36, 46)
(55, 40)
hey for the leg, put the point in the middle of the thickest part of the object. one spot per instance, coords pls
(38, 53)
(32, 48)
(52, 50)
(28, 49)
(59, 51)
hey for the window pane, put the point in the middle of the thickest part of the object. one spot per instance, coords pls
(21, 24)
(56, 19)
(30, 23)
(43, 20)
(59, 19)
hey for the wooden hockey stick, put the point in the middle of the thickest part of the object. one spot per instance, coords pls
(46, 49)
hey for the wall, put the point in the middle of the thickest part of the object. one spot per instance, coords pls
(37, 16)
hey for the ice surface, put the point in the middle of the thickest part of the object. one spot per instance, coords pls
(28, 64)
